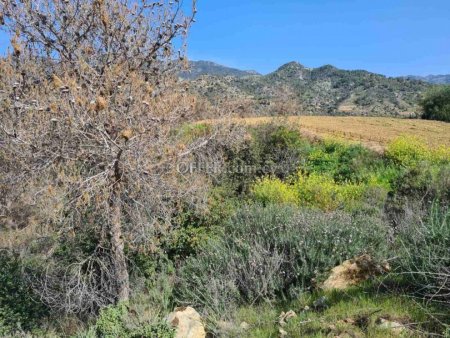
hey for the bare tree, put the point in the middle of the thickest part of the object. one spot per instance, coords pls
(88, 105)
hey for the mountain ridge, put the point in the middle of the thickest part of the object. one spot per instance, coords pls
(202, 67)
(294, 89)
(434, 79)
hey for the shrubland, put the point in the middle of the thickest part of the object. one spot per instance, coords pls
(267, 237)
(341, 201)
(110, 215)
(274, 251)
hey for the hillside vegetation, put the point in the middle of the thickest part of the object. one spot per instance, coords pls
(434, 79)
(296, 90)
(197, 69)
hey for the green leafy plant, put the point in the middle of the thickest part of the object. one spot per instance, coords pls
(19, 309)
(271, 149)
(116, 321)
(273, 190)
(436, 104)
(409, 151)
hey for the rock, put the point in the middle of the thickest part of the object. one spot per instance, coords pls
(353, 272)
(285, 316)
(396, 327)
(187, 322)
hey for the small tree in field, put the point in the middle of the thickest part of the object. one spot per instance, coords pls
(436, 104)
(88, 104)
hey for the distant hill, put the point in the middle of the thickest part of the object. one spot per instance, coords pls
(294, 89)
(200, 68)
(434, 79)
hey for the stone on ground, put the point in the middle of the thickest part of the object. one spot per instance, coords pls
(187, 322)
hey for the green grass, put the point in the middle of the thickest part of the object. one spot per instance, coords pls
(350, 313)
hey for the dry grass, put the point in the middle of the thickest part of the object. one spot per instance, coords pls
(373, 132)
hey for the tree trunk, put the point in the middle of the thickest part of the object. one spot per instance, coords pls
(116, 239)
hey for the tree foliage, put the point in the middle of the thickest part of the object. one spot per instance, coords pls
(436, 104)
(88, 100)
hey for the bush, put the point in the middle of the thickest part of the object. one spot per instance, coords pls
(414, 190)
(424, 254)
(272, 149)
(409, 151)
(117, 321)
(111, 321)
(314, 190)
(273, 190)
(193, 226)
(274, 251)
(345, 163)
(154, 276)
(332, 176)
(436, 104)
(19, 310)
(323, 192)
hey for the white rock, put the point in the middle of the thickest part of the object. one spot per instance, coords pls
(187, 322)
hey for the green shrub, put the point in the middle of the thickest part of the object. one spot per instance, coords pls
(274, 251)
(117, 321)
(409, 151)
(436, 104)
(323, 192)
(159, 330)
(332, 176)
(111, 321)
(192, 226)
(415, 188)
(157, 274)
(345, 163)
(273, 190)
(19, 308)
(272, 149)
(424, 257)
(314, 190)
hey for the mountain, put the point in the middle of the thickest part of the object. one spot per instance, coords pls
(434, 79)
(294, 89)
(200, 68)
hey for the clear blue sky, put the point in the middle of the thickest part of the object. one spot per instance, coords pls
(392, 37)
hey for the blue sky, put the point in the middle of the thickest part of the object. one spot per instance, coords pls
(392, 37)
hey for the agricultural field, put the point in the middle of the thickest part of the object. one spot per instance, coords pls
(373, 132)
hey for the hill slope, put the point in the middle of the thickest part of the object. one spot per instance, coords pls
(200, 68)
(296, 90)
(434, 79)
